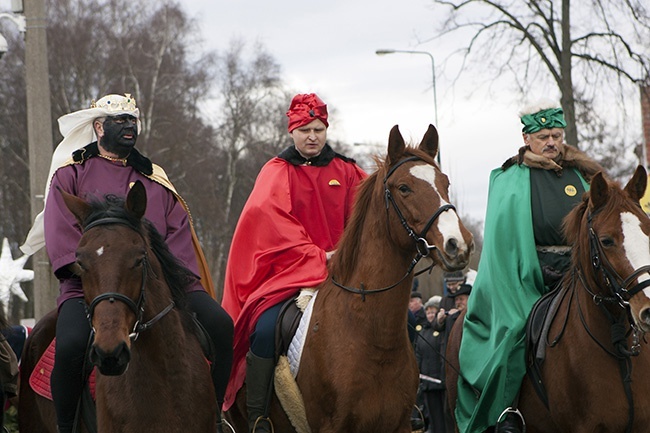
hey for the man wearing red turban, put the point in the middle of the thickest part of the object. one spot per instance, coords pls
(287, 231)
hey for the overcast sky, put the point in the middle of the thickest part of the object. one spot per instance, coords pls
(329, 48)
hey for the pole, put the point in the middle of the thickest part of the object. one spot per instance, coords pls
(39, 138)
(382, 52)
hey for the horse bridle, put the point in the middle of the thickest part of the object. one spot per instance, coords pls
(421, 245)
(136, 307)
(619, 287)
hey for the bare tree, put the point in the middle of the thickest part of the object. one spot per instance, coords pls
(250, 129)
(594, 52)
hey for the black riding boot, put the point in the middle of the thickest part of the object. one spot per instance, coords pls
(511, 422)
(259, 377)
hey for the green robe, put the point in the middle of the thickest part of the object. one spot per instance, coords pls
(508, 283)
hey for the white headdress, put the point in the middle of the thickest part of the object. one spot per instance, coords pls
(77, 130)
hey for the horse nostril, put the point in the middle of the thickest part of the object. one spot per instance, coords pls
(451, 247)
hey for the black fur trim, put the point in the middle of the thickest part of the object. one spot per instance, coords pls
(135, 158)
(291, 155)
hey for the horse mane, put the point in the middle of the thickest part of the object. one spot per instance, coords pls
(176, 275)
(347, 253)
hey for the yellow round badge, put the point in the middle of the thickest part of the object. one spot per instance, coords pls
(570, 190)
(418, 328)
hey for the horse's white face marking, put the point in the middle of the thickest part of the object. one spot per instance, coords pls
(100, 251)
(448, 222)
(636, 245)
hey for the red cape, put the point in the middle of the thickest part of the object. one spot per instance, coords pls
(294, 215)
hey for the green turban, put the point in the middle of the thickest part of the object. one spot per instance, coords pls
(544, 119)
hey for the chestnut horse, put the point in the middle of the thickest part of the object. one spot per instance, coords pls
(358, 371)
(597, 367)
(134, 289)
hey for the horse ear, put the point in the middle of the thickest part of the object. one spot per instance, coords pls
(136, 200)
(79, 208)
(635, 188)
(396, 146)
(429, 143)
(598, 191)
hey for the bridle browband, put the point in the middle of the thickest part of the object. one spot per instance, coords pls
(421, 245)
(136, 307)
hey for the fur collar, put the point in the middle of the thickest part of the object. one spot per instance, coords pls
(571, 157)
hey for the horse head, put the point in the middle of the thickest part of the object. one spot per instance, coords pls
(111, 260)
(610, 233)
(418, 192)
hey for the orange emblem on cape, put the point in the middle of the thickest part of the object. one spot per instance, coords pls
(334, 182)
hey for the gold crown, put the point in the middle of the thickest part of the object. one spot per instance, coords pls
(115, 103)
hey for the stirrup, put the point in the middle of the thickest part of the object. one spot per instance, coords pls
(225, 423)
(508, 410)
(262, 419)
(417, 429)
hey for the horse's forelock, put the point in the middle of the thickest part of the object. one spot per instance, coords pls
(111, 206)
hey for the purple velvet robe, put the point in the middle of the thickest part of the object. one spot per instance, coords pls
(95, 178)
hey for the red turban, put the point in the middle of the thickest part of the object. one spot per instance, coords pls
(304, 109)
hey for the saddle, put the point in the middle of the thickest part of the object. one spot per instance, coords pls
(287, 327)
(539, 322)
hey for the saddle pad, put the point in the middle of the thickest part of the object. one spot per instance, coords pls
(298, 341)
(39, 380)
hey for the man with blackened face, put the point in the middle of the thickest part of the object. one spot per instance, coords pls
(117, 134)
(98, 157)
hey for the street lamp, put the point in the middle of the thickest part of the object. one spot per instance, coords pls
(382, 52)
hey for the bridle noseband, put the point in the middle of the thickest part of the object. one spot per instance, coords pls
(136, 307)
(421, 245)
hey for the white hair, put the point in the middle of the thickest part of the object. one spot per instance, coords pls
(539, 105)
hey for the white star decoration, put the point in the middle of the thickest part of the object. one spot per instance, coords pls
(11, 275)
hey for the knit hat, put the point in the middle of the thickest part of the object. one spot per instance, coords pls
(304, 109)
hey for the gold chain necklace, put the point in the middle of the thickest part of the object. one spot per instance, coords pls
(111, 158)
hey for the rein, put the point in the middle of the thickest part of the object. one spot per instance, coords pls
(136, 307)
(421, 245)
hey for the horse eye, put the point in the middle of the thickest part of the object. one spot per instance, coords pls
(404, 189)
(607, 242)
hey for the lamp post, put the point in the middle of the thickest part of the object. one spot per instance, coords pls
(382, 52)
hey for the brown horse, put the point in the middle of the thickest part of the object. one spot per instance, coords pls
(597, 367)
(358, 371)
(134, 290)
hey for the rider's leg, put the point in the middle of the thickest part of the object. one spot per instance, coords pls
(72, 333)
(260, 363)
(219, 326)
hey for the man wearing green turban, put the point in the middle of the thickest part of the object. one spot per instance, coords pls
(524, 255)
